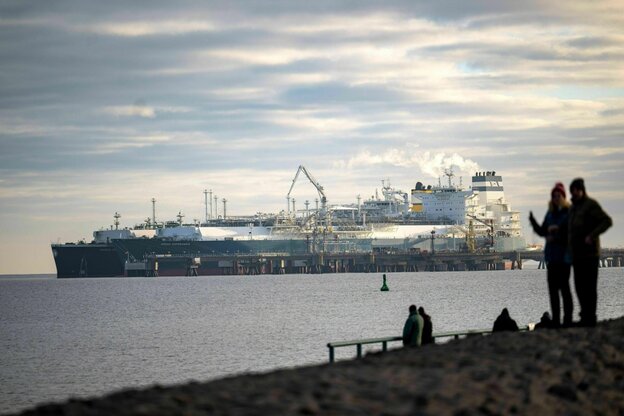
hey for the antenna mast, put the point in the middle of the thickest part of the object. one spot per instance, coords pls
(154, 211)
(116, 216)
(206, 203)
(449, 173)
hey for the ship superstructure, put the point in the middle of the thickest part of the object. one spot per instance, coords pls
(492, 214)
(444, 204)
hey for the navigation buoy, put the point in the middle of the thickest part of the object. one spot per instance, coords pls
(384, 287)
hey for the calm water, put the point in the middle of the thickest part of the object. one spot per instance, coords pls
(84, 337)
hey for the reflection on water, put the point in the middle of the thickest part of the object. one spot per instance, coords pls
(82, 337)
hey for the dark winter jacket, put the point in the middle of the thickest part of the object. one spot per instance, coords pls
(544, 323)
(556, 240)
(586, 219)
(504, 323)
(412, 330)
(427, 333)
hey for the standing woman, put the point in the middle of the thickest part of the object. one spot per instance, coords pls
(555, 229)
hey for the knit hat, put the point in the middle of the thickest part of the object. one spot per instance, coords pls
(578, 183)
(559, 187)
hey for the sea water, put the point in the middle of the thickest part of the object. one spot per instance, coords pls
(62, 338)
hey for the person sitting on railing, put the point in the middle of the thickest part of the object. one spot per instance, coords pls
(427, 333)
(413, 328)
(504, 322)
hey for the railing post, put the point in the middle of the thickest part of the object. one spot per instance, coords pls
(331, 353)
(359, 350)
(384, 346)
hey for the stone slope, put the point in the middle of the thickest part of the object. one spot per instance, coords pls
(568, 371)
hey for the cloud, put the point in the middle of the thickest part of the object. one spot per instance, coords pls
(129, 143)
(131, 111)
(263, 56)
(584, 42)
(147, 28)
(240, 93)
(143, 111)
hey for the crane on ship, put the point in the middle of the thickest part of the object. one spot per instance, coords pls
(488, 223)
(319, 188)
(317, 185)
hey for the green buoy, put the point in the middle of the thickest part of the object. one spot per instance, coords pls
(384, 287)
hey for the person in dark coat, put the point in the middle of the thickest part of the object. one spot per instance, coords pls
(427, 334)
(555, 229)
(545, 322)
(587, 221)
(412, 330)
(504, 322)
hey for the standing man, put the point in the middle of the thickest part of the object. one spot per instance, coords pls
(412, 330)
(587, 222)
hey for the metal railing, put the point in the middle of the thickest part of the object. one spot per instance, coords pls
(385, 340)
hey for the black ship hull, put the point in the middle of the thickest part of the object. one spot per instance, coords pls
(161, 257)
(87, 260)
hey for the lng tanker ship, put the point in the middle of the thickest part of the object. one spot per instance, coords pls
(471, 219)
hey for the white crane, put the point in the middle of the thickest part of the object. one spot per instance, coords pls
(316, 184)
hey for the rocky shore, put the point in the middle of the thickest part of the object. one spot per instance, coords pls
(575, 371)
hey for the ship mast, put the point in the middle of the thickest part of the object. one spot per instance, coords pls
(449, 173)
(206, 204)
(116, 216)
(154, 211)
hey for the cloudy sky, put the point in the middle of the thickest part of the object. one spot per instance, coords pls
(104, 105)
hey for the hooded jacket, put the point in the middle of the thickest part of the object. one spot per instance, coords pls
(557, 241)
(412, 330)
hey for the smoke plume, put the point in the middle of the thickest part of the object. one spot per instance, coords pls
(430, 164)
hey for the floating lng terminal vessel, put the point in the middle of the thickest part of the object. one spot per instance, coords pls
(443, 217)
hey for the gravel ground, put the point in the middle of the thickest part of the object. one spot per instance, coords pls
(575, 371)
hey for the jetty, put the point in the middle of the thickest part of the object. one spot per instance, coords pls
(554, 371)
(346, 262)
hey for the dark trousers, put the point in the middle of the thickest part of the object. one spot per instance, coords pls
(559, 283)
(586, 284)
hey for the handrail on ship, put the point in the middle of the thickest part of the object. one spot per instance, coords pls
(385, 340)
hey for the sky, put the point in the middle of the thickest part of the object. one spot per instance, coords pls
(106, 105)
